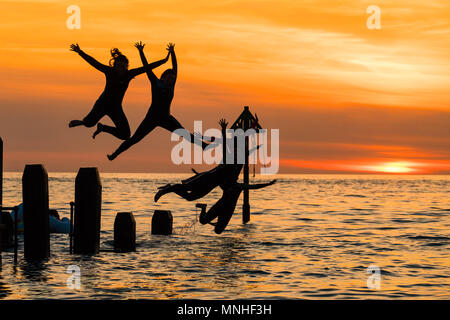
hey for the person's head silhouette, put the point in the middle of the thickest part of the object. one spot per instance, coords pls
(169, 77)
(118, 60)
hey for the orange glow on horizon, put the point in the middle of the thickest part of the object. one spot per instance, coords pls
(369, 166)
(381, 95)
(390, 167)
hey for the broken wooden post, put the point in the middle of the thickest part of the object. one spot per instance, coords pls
(124, 232)
(36, 233)
(162, 221)
(88, 202)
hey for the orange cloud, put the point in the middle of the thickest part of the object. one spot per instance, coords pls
(308, 65)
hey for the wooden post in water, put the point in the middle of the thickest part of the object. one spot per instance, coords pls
(2, 226)
(1, 195)
(7, 234)
(36, 233)
(246, 202)
(124, 232)
(162, 221)
(88, 204)
(1, 172)
(246, 121)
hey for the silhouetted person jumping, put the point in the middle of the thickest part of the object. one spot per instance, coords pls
(203, 183)
(159, 111)
(110, 101)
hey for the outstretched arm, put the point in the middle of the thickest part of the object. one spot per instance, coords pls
(97, 65)
(258, 185)
(151, 76)
(137, 71)
(171, 49)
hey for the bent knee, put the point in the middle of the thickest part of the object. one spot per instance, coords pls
(88, 123)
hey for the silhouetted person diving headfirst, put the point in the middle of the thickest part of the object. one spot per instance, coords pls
(203, 183)
(110, 101)
(159, 111)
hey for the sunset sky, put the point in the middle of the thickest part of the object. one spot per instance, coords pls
(346, 99)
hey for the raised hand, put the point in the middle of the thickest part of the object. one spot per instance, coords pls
(139, 45)
(223, 123)
(171, 47)
(75, 47)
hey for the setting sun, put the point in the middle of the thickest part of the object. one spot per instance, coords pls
(388, 167)
(395, 167)
(370, 166)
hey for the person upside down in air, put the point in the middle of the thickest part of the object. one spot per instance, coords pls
(159, 112)
(203, 183)
(224, 208)
(109, 103)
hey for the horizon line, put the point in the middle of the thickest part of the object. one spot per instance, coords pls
(316, 173)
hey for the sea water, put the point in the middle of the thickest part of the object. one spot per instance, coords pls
(310, 237)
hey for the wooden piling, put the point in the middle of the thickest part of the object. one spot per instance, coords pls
(6, 234)
(1, 172)
(245, 122)
(1, 228)
(124, 232)
(88, 200)
(162, 222)
(246, 202)
(35, 212)
(1, 194)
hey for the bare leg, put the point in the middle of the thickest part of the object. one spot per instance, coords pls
(146, 126)
(122, 128)
(94, 116)
(179, 189)
(202, 206)
(183, 191)
(75, 123)
(172, 124)
(99, 129)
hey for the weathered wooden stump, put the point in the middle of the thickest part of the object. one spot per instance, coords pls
(35, 212)
(88, 202)
(124, 232)
(6, 230)
(1, 171)
(2, 227)
(162, 221)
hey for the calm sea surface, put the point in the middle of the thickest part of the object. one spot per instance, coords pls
(310, 237)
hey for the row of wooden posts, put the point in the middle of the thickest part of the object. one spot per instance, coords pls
(86, 209)
(85, 218)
